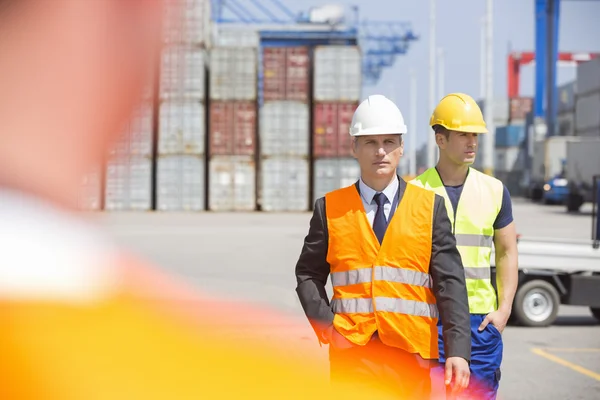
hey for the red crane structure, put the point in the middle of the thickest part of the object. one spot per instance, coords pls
(516, 59)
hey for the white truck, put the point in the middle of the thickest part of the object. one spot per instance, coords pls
(554, 272)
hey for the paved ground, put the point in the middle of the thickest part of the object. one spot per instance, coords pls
(251, 256)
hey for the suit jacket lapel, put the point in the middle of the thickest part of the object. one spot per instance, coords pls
(401, 189)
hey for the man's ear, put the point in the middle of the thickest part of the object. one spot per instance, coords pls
(353, 144)
(440, 139)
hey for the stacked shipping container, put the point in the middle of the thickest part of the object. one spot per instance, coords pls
(337, 88)
(128, 183)
(235, 36)
(509, 150)
(232, 128)
(164, 149)
(500, 116)
(90, 191)
(566, 109)
(519, 107)
(510, 155)
(180, 163)
(284, 126)
(582, 158)
(187, 21)
(587, 106)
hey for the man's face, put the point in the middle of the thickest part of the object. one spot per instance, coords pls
(459, 147)
(378, 155)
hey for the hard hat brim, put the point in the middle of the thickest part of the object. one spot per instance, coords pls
(472, 129)
(465, 128)
(380, 130)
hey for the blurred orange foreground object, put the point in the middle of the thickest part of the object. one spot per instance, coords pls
(137, 344)
(72, 71)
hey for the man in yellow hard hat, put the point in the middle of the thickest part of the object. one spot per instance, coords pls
(395, 271)
(79, 318)
(480, 210)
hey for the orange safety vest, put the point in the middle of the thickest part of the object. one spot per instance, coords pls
(385, 288)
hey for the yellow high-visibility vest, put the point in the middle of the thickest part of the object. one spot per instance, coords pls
(473, 227)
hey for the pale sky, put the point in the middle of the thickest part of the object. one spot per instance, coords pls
(458, 33)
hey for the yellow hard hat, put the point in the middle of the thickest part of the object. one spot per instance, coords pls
(458, 112)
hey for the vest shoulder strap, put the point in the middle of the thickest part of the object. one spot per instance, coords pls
(430, 179)
(342, 200)
(493, 186)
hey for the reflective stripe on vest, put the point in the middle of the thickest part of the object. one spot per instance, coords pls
(473, 226)
(389, 304)
(344, 278)
(385, 288)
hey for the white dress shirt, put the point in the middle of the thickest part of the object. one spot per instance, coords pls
(367, 194)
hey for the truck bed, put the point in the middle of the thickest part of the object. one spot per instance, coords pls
(559, 255)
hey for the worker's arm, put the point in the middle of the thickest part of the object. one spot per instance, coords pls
(312, 271)
(450, 290)
(449, 285)
(507, 271)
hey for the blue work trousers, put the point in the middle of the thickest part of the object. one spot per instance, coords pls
(486, 357)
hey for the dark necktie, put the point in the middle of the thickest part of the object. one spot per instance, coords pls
(379, 223)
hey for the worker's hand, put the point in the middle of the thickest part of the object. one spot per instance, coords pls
(327, 334)
(457, 374)
(335, 339)
(497, 318)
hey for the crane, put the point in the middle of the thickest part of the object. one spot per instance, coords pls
(517, 59)
(380, 41)
(547, 18)
(546, 56)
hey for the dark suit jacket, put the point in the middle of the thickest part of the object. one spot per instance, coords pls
(446, 269)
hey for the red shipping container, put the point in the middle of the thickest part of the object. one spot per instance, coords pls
(285, 71)
(296, 79)
(520, 107)
(232, 128)
(274, 65)
(331, 136)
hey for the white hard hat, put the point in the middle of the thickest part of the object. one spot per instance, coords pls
(377, 115)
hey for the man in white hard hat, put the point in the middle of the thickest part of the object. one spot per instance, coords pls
(394, 267)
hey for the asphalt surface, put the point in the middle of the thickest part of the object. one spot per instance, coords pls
(251, 257)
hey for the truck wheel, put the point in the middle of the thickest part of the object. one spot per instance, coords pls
(595, 313)
(536, 303)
